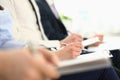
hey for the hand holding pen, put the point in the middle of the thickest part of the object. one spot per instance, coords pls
(44, 63)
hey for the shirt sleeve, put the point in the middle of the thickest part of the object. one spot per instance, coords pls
(49, 43)
(9, 44)
(5, 24)
(6, 40)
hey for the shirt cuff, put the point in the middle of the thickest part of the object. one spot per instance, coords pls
(50, 44)
(9, 44)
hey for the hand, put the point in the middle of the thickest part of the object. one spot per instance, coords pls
(70, 51)
(100, 36)
(23, 65)
(72, 38)
(49, 56)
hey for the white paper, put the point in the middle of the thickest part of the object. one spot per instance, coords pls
(111, 43)
(90, 41)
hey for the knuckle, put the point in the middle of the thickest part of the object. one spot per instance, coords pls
(73, 56)
(71, 48)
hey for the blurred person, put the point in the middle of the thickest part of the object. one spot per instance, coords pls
(20, 63)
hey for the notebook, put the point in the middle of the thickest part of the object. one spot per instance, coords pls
(84, 63)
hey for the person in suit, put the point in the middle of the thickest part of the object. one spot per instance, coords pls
(55, 29)
(52, 25)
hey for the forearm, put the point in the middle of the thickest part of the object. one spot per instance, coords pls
(3, 60)
(9, 64)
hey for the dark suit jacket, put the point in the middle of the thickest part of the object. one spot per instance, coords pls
(53, 27)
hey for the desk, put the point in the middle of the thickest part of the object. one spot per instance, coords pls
(109, 43)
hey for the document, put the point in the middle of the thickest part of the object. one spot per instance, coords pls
(109, 43)
(90, 41)
(84, 63)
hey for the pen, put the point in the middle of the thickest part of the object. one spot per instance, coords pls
(32, 49)
(64, 44)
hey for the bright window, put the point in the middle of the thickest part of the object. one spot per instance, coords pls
(102, 16)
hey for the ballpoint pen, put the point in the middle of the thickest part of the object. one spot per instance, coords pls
(32, 49)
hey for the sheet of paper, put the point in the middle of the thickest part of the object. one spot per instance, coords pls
(109, 43)
(90, 41)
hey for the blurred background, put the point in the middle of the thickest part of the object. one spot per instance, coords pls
(87, 17)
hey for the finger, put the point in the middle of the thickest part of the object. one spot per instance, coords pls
(75, 54)
(74, 34)
(79, 45)
(32, 74)
(46, 67)
(50, 56)
(76, 47)
(100, 36)
(51, 71)
(96, 44)
(78, 40)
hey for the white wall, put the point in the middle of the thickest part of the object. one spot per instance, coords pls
(102, 16)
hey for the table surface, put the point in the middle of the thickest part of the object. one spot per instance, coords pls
(109, 43)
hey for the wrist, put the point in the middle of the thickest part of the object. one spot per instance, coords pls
(59, 54)
(61, 43)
